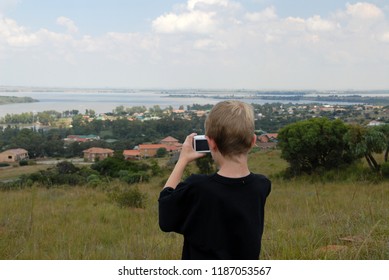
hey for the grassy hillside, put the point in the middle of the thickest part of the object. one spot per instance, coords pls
(305, 219)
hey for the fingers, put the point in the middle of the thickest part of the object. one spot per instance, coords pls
(190, 136)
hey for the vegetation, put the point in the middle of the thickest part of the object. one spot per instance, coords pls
(333, 207)
(308, 145)
(320, 143)
(15, 99)
(50, 143)
(339, 216)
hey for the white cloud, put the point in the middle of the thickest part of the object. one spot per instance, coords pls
(199, 16)
(206, 4)
(316, 23)
(192, 22)
(15, 35)
(68, 23)
(267, 14)
(364, 11)
(219, 42)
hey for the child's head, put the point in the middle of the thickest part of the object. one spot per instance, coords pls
(231, 125)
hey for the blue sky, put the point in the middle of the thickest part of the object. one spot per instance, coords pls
(254, 44)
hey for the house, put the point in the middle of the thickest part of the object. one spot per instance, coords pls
(13, 155)
(94, 153)
(131, 154)
(81, 138)
(169, 141)
(170, 144)
(268, 137)
(150, 150)
(267, 140)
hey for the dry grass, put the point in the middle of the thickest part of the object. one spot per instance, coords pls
(327, 221)
(303, 221)
(15, 171)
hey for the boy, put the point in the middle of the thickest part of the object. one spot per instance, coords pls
(221, 215)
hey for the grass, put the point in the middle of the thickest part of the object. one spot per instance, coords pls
(327, 221)
(304, 220)
(15, 171)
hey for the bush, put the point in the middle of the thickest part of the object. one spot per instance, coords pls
(385, 169)
(93, 180)
(23, 162)
(130, 197)
(4, 164)
(314, 144)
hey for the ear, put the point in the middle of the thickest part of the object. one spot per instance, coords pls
(254, 141)
(212, 144)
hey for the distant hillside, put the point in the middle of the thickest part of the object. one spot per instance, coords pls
(15, 99)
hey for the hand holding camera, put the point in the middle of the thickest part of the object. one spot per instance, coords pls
(200, 144)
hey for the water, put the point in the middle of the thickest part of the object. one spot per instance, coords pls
(104, 102)
(99, 102)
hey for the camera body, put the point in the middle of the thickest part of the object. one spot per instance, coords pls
(200, 144)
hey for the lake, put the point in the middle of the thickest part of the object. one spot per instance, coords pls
(106, 101)
(99, 102)
(103, 102)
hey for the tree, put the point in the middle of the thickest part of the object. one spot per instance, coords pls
(66, 167)
(385, 130)
(161, 152)
(310, 144)
(30, 140)
(364, 142)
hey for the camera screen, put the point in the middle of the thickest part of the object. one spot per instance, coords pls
(202, 145)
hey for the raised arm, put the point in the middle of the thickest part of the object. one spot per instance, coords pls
(187, 155)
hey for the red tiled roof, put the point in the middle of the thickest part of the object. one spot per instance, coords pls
(95, 150)
(16, 151)
(131, 152)
(151, 146)
(272, 135)
(169, 139)
(174, 148)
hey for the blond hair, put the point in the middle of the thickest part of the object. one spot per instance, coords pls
(231, 125)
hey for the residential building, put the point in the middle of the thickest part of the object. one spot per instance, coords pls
(267, 140)
(171, 141)
(13, 155)
(81, 138)
(150, 150)
(94, 153)
(131, 154)
(268, 137)
(170, 144)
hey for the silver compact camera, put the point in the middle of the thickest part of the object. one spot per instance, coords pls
(200, 144)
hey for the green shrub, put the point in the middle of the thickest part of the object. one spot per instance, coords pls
(93, 180)
(23, 162)
(129, 197)
(385, 169)
(4, 164)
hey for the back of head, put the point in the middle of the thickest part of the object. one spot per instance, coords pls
(231, 125)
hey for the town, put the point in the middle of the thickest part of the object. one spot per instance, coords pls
(140, 132)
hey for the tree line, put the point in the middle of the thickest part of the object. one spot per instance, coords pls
(308, 145)
(126, 133)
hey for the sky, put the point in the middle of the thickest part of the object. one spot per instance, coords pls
(208, 44)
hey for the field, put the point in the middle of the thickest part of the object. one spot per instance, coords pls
(10, 173)
(305, 219)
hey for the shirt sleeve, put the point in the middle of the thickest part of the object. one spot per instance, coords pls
(172, 205)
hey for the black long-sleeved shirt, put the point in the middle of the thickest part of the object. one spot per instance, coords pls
(220, 218)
